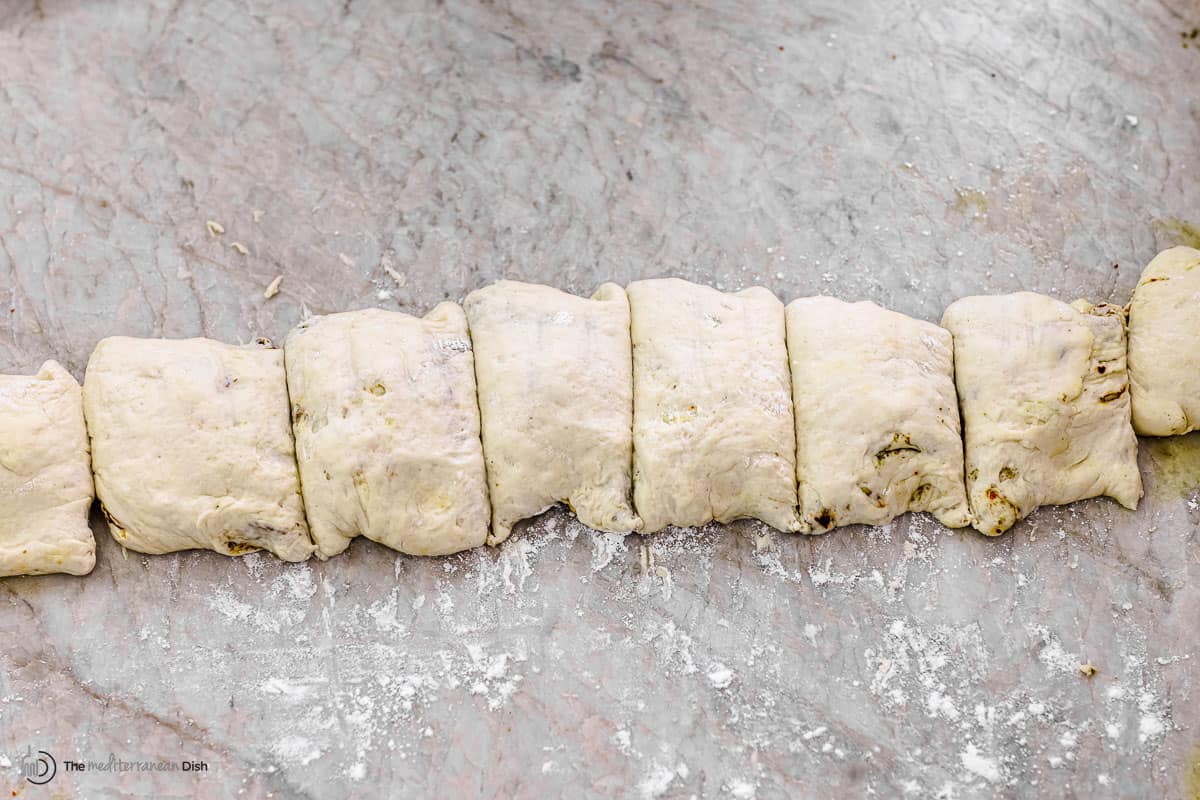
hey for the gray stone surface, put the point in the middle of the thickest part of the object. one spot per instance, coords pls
(396, 154)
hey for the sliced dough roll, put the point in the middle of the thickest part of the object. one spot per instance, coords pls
(45, 476)
(387, 430)
(876, 415)
(713, 432)
(555, 378)
(1164, 345)
(192, 449)
(1045, 406)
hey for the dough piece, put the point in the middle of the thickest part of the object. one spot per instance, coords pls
(45, 476)
(876, 415)
(1164, 345)
(1045, 406)
(713, 432)
(191, 447)
(556, 399)
(387, 430)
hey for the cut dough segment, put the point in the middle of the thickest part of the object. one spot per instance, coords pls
(45, 476)
(556, 400)
(713, 432)
(1045, 406)
(387, 430)
(191, 447)
(876, 415)
(1164, 345)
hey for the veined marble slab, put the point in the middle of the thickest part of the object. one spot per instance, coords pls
(398, 154)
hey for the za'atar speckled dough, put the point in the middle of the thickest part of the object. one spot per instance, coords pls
(1164, 345)
(1045, 405)
(387, 430)
(192, 447)
(713, 432)
(555, 379)
(45, 475)
(877, 427)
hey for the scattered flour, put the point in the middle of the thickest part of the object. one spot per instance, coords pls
(979, 764)
(742, 789)
(825, 575)
(295, 750)
(1151, 725)
(656, 782)
(466, 632)
(720, 676)
(606, 547)
(1053, 655)
(674, 647)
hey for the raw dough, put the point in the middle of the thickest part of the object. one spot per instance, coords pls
(1164, 345)
(1045, 405)
(713, 432)
(876, 415)
(191, 447)
(387, 430)
(45, 476)
(556, 398)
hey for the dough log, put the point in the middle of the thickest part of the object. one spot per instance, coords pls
(192, 449)
(45, 476)
(1045, 405)
(713, 433)
(877, 426)
(1164, 345)
(387, 430)
(555, 378)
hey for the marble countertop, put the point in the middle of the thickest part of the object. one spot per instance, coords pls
(397, 154)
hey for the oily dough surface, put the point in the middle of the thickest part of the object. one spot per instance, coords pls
(45, 475)
(191, 447)
(555, 378)
(387, 430)
(877, 427)
(1045, 405)
(1164, 344)
(713, 433)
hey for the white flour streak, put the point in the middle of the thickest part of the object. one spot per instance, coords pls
(657, 781)
(1151, 725)
(824, 575)
(674, 647)
(388, 672)
(742, 789)
(720, 676)
(606, 547)
(295, 750)
(979, 764)
(1053, 655)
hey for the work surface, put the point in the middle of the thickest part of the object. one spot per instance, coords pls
(375, 155)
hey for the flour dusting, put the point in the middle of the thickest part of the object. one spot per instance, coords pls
(735, 630)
